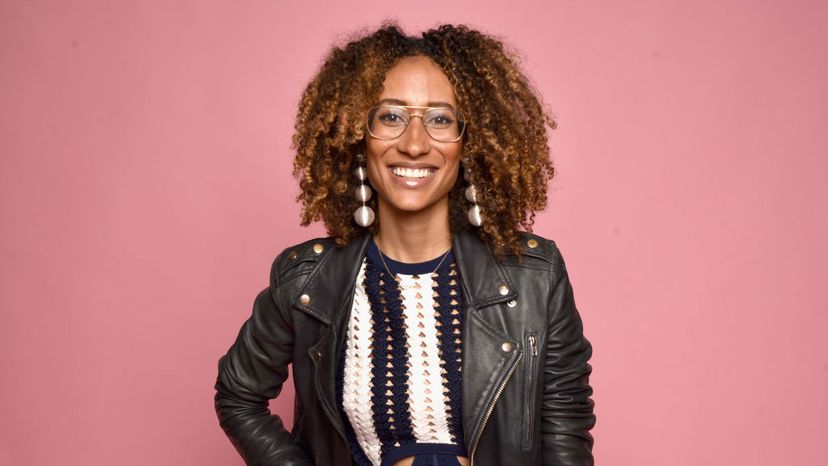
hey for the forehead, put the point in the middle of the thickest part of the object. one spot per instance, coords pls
(417, 81)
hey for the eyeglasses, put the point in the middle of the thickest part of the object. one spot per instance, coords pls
(443, 124)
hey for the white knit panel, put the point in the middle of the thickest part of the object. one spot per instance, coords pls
(428, 404)
(357, 382)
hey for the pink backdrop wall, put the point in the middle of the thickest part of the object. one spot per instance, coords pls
(146, 188)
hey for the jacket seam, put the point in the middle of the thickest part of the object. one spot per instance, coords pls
(533, 267)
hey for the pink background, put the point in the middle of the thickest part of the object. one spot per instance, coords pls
(146, 188)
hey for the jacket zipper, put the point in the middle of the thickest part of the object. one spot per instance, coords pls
(492, 405)
(529, 403)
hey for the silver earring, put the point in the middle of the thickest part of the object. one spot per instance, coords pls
(364, 215)
(474, 215)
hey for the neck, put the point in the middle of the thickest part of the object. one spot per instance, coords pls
(413, 236)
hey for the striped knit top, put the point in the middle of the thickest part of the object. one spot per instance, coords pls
(399, 384)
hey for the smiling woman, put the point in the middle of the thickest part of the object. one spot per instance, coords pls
(430, 327)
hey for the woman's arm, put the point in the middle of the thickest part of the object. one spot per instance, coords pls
(567, 409)
(249, 375)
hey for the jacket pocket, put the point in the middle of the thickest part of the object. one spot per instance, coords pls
(530, 342)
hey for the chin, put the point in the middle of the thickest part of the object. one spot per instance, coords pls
(407, 204)
(410, 207)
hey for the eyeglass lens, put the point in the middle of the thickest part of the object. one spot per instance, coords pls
(442, 124)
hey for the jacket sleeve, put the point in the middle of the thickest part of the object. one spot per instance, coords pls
(249, 375)
(567, 409)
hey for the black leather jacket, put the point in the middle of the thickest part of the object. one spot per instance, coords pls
(526, 392)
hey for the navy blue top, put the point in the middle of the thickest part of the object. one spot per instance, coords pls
(399, 430)
(407, 268)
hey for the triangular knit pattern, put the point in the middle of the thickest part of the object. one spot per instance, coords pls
(399, 381)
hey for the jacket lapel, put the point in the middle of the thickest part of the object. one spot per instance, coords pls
(332, 281)
(484, 278)
(331, 291)
(490, 354)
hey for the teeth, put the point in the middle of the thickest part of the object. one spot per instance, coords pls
(412, 172)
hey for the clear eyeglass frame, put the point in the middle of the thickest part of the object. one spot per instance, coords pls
(440, 132)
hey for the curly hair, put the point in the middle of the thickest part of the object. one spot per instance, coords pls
(505, 143)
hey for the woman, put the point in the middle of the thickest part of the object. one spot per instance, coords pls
(428, 329)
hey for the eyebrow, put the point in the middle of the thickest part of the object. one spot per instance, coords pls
(429, 104)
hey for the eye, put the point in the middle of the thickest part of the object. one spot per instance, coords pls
(440, 119)
(390, 116)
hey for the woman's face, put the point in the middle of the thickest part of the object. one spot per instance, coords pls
(415, 81)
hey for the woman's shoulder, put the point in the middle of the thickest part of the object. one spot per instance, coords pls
(537, 251)
(300, 257)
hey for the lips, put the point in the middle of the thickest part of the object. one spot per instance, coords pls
(412, 176)
(405, 172)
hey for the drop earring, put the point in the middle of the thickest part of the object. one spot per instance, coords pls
(474, 215)
(364, 215)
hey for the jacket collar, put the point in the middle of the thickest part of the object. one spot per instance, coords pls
(485, 281)
(331, 283)
(332, 280)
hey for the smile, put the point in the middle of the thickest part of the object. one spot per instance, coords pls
(412, 172)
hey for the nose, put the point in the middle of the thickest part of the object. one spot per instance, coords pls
(415, 140)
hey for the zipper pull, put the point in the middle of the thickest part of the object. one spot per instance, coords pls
(533, 345)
